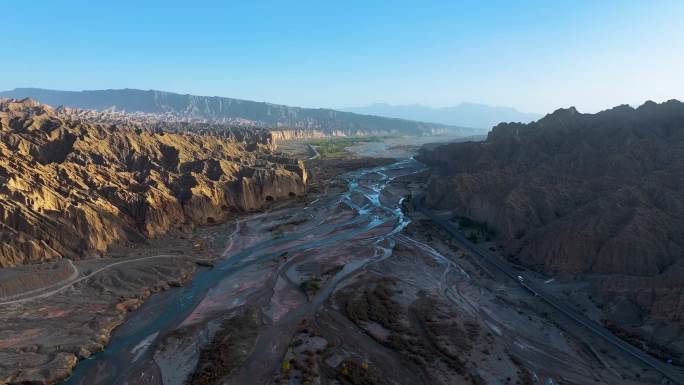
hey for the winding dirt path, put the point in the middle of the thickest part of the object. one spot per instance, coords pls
(72, 280)
(73, 276)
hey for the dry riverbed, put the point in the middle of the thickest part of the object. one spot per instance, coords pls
(346, 286)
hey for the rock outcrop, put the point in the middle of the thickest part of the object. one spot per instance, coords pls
(579, 193)
(71, 187)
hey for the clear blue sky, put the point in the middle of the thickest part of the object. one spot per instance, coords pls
(532, 55)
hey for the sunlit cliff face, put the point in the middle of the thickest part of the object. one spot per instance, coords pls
(72, 188)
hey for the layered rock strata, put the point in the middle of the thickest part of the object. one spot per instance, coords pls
(581, 193)
(71, 187)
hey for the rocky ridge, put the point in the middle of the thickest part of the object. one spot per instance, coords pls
(575, 194)
(214, 109)
(71, 187)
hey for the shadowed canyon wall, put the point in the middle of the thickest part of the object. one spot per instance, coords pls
(581, 193)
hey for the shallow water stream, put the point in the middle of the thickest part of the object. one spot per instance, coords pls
(132, 346)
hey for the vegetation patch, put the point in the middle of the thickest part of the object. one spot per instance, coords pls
(477, 231)
(227, 350)
(426, 333)
(313, 283)
(311, 286)
(374, 305)
(335, 147)
(302, 360)
(351, 372)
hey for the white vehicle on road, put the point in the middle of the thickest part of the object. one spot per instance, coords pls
(521, 281)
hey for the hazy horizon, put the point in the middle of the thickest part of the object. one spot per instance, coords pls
(341, 108)
(371, 104)
(530, 56)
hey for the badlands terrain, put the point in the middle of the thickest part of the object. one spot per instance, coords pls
(328, 271)
(71, 188)
(594, 202)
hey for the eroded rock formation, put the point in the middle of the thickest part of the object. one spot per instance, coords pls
(578, 193)
(71, 187)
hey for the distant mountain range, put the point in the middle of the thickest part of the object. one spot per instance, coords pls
(314, 121)
(464, 115)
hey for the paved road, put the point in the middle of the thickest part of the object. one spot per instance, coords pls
(672, 373)
(73, 282)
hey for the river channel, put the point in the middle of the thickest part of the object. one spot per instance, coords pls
(365, 213)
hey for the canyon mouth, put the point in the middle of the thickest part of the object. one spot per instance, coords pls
(348, 281)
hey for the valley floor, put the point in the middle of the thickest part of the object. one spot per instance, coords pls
(347, 286)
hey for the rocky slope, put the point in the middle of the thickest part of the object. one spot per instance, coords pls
(578, 193)
(71, 187)
(233, 111)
